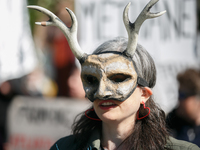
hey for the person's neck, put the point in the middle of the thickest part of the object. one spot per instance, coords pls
(114, 133)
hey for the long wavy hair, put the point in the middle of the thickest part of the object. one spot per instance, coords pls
(149, 133)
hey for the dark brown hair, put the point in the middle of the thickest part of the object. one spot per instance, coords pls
(189, 83)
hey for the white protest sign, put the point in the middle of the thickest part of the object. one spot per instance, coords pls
(17, 51)
(36, 123)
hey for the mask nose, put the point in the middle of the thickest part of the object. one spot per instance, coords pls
(103, 91)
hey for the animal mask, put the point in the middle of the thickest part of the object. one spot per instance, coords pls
(107, 75)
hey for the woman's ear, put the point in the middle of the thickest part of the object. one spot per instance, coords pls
(146, 93)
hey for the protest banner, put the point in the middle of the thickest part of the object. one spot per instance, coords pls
(37, 123)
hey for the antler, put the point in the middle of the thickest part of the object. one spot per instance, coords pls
(70, 33)
(133, 28)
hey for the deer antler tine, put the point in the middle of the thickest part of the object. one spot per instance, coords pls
(44, 23)
(154, 15)
(125, 14)
(73, 18)
(70, 33)
(133, 28)
(148, 7)
(44, 11)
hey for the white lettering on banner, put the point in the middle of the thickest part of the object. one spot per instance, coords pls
(170, 39)
(102, 20)
(178, 15)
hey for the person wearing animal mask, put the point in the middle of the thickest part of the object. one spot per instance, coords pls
(118, 78)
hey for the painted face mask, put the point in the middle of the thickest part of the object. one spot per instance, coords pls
(107, 75)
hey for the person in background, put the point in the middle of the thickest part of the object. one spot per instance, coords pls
(184, 120)
(6, 96)
(59, 60)
(74, 84)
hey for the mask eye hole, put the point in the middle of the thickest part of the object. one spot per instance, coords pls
(119, 78)
(90, 79)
